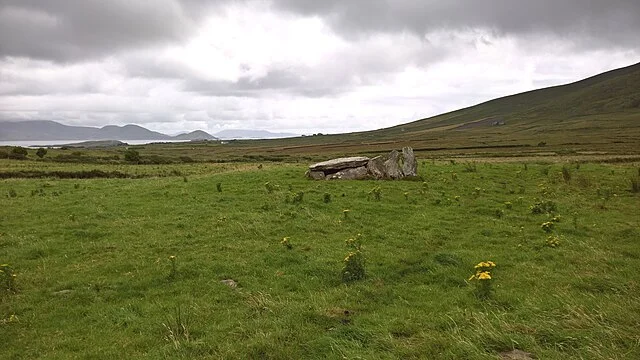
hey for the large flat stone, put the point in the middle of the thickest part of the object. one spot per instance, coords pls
(338, 164)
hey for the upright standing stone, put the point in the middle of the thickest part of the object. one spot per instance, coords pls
(409, 164)
(392, 166)
(376, 167)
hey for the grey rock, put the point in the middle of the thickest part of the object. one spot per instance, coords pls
(392, 166)
(409, 163)
(376, 167)
(315, 175)
(334, 165)
(230, 283)
(358, 173)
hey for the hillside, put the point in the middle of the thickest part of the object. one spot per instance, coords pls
(598, 114)
(610, 96)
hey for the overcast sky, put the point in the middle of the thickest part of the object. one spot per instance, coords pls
(301, 66)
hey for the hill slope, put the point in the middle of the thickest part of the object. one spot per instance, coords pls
(614, 95)
(601, 113)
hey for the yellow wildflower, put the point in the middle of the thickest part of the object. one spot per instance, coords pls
(484, 276)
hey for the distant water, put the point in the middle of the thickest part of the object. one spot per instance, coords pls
(39, 143)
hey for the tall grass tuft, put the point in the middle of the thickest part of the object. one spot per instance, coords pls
(566, 174)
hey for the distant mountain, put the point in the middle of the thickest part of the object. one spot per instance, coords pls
(39, 130)
(231, 134)
(195, 135)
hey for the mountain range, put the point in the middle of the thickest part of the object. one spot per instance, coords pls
(38, 130)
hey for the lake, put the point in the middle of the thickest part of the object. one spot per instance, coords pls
(41, 143)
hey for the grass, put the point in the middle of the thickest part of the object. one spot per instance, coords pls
(95, 278)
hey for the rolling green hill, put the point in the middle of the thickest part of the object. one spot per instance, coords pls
(598, 114)
(611, 96)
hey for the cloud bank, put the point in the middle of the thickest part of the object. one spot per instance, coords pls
(298, 66)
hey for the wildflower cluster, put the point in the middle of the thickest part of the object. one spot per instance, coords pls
(547, 226)
(285, 242)
(353, 264)
(483, 278)
(553, 241)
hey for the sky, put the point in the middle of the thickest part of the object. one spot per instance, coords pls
(299, 66)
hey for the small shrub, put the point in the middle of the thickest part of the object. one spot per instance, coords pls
(41, 152)
(132, 156)
(354, 263)
(4, 154)
(326, 198)
(12, 193)
(508, 205)
(543, 206)
(376, 193)
(295, 197)
(18, 153)
(219, 187)
(499, 213)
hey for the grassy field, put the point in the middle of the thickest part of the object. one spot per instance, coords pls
(189, 262)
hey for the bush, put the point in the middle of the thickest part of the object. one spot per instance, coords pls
(132, 155)
(41, 152)
(18, 153)
(543, 206)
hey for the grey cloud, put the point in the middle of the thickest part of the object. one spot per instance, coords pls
(613, 22)
(74, 30)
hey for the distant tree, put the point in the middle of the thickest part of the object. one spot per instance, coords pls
(132, 155)
(41, 152)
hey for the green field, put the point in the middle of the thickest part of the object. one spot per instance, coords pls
(94, 278)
